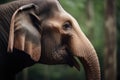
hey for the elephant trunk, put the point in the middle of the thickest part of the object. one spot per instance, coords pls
(89, 59)
(91, 65)
(83, 49)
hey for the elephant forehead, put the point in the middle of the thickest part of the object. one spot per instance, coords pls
(58, 19)
(51, 9)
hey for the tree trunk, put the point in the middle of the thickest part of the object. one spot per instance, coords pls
(89, 18)
(110, 40)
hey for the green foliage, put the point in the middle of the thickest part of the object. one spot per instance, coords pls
(55, 72)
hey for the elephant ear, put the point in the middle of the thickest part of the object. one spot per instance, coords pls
(25, 32)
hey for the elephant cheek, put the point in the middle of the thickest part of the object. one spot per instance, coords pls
(82, 48)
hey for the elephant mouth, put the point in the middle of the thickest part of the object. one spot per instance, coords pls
(60, 54)
(64, 56)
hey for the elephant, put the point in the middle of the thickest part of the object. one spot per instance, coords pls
(41, 31)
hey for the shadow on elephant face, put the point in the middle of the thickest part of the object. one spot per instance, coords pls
(50, 35)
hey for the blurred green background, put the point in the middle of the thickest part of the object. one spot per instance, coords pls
(92, 24)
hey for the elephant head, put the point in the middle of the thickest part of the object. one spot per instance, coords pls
(50, 35)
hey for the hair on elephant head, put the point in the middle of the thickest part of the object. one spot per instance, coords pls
(50, 35)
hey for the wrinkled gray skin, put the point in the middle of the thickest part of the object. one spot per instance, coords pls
(60, 39)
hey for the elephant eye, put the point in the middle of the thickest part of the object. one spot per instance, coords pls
(67, 25)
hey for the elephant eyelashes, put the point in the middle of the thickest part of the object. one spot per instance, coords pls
(67, 25)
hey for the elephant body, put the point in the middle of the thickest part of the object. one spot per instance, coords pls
(41, 31)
